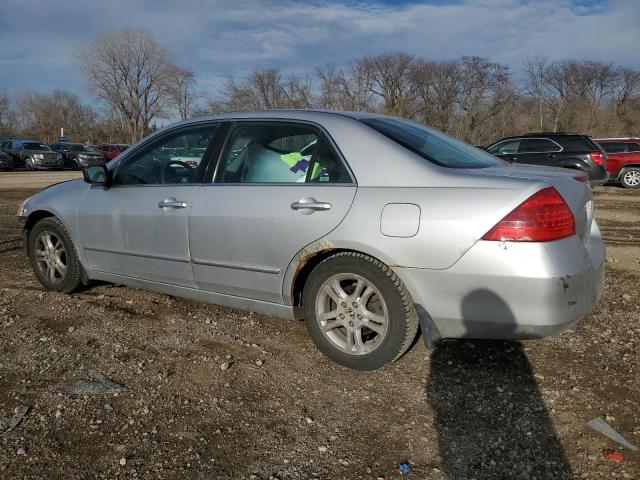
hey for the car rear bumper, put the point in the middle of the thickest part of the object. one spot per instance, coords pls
(511, 290)
(598, 175)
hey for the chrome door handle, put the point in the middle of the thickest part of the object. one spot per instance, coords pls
(309, 205)
(171, 202)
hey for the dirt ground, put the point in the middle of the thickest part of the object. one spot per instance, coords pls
(467, 409)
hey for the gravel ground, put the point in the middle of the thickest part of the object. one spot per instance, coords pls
(219, 393)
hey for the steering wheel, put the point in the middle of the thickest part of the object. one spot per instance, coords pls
(167, 165)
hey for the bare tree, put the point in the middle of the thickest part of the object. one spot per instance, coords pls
(129, 70)
(348, 89)
(485, 90)
(390, 77)
(7, 116)
(42, 115)
(180, 88)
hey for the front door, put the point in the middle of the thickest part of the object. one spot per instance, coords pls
(278, 187)
(139, 227)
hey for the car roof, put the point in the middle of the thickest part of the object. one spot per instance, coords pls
(297, 114)
(624, 140)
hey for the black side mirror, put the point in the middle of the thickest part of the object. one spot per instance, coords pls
(97, 175)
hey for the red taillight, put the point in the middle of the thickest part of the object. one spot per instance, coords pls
(543, 217)
(597, 157)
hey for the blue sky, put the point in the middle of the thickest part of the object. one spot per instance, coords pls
(219, 39)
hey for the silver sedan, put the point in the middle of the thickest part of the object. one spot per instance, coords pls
(370, 228)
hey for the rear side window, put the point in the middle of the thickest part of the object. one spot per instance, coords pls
(576, 144)
(634, 147)
(432, 145)
(273, 152)
(538, 145)
(614, 147)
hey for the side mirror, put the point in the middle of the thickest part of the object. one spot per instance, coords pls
(97, 175)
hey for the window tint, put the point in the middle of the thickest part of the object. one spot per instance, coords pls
(614, 147)
(576, 144)
(505, 148)
(634, 147)
(432, 145)
(273, 152)
(173, 158)
(537, 145)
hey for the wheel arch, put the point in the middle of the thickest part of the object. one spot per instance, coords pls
(627, 166)
(33, 218)
(309, 258)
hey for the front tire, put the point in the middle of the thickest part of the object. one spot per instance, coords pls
(28, 164)
(358, 312)
(53, 257)
(630, 178)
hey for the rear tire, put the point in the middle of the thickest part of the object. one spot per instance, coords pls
(53, 256)
(358, 312)
(630, 177)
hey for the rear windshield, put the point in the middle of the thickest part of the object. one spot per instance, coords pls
(576, 144)
(432, 145)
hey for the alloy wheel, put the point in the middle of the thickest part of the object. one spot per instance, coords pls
(50, 256)
(632, 178)
(352, 314)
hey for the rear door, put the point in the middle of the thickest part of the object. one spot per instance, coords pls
(138, 227)
(538, 151)
(617, 156)
(278, 187)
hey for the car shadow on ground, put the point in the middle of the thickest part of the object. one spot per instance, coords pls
(490, 419)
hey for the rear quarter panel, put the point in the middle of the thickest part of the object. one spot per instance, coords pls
(452, 220)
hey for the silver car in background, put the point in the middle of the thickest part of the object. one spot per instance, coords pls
(367, 227)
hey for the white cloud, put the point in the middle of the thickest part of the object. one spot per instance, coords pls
(222, 38)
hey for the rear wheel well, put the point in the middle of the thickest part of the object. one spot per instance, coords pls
(310, 263)
(627, 166)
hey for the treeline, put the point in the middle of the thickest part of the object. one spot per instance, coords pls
(138, 83)
(471, 98)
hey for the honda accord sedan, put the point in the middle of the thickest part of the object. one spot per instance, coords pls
(370, 228)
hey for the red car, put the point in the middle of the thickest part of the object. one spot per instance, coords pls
(623, 160)
(111, 150)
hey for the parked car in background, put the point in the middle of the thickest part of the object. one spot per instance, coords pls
(111, 150)
(77, 156)
(4, 145)
(367, 226)
(6, 162)
(34, 155)
(623, 160)
(555, 149)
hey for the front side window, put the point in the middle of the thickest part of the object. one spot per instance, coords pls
(538, 145)
(508, 147)
(273, 152)
(174, 158)
(432, 145)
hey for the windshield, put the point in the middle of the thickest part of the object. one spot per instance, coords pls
(432, 145)
(35, 146)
